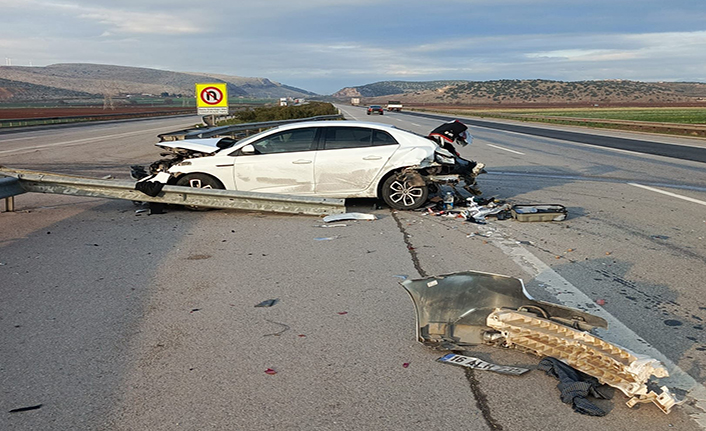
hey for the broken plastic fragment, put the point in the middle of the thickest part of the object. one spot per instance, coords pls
(349, 216)
(267, 303)
(325, 239)
(342, 312)
(479, 364)
(270, 371)
(405, 365)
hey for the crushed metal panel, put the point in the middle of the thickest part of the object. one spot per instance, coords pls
(470, 308)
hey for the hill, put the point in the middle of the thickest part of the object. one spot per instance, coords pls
(537, 91)
(111, 80)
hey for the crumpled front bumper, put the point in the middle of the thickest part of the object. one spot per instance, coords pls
(458, 310)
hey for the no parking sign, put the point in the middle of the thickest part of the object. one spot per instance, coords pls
(211, 99)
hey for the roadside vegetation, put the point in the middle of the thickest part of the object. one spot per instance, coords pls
(657, 115)
(276, 113)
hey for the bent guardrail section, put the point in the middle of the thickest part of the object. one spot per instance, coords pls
(9, 188)
(43, 182)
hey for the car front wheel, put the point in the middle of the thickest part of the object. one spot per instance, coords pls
(401, 195)
(199, 181)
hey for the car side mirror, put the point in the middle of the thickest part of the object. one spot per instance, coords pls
(248, 149)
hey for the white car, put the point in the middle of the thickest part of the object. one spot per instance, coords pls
(337, 159)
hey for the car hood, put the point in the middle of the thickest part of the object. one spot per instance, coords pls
(206, 145)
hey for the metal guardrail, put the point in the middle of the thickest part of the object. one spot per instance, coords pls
(219, 131)
(9, 188)
(20, 122)
(44, 182)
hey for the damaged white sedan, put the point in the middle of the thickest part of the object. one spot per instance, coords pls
(337, 159)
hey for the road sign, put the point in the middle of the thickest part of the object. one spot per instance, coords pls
(211, 99)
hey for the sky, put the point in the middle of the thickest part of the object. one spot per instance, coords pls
(325, 45)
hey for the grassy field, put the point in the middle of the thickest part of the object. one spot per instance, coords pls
(656, 115)
(682, 121)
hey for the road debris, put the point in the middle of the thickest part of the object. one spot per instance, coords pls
(479, 364)
(405, 365)
(268, 303)
(277, 334)
(26, 409)
(469, 308)
(270, 371)
(349, 216)
(334, 225)
(328, 238)
(576, 386)
(539, 212)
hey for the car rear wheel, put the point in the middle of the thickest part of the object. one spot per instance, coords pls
(401, 195)
(199, 181)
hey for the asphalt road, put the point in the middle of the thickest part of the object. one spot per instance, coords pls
(117, 320)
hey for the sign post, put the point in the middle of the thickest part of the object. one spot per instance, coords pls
(211, 99)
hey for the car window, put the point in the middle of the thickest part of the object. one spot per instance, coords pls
(336, 138)
(381, 137)
(287, 142)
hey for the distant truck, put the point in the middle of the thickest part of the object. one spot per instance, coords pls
(355, 101)
(394, 105)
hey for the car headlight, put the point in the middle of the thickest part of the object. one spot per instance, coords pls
(446, 159)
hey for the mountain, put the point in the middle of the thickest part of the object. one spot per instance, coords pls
(101, 79)
(26, 91)
(539, 91)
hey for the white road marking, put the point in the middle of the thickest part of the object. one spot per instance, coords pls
(77, 141)
(505, 149)
(569, 295)
(674, 195)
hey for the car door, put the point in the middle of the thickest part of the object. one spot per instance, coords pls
(350, 158)
(282, 163)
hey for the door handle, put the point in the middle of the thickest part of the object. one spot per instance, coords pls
(301, 162)
(372, 158)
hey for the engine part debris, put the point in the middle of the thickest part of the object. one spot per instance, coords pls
(575, 387)
(349, 216)
(469, 308)
(539, 212)
(479, 364)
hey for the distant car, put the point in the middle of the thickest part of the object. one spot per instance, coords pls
(337, 159)
(375, 109)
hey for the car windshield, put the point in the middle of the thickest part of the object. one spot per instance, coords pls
(248, 139)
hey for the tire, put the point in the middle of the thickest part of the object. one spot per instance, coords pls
(400, 195)
(201, 181)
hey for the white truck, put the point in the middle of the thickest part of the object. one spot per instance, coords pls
(394, 105)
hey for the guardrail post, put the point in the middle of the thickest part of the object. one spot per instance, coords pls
(10, 204)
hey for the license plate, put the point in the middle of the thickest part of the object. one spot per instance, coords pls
(479, 364)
